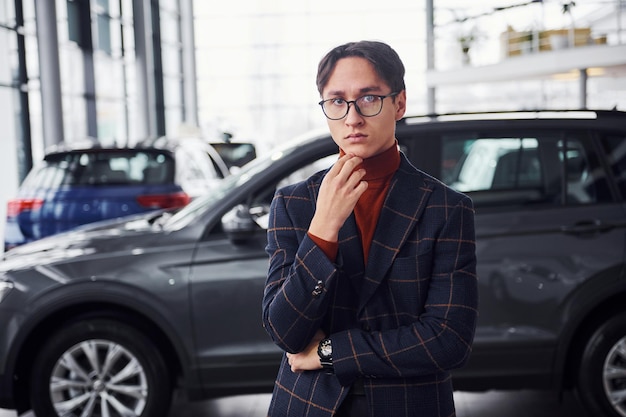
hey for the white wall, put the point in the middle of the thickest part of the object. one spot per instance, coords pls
(8, 152)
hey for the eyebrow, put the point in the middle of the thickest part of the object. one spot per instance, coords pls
(363, 90)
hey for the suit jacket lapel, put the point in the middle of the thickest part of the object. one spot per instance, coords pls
(405, 202)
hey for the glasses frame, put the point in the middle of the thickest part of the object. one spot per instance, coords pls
(356, 106)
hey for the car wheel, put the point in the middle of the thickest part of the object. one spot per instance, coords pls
(100, 367)
(602, 376)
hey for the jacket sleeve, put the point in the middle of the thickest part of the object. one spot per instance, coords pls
(440, 338)
(300, 275)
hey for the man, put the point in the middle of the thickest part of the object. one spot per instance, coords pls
(372, 287)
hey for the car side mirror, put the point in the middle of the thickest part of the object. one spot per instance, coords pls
(243, 221)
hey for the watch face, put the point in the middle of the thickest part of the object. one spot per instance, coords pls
(326, 349)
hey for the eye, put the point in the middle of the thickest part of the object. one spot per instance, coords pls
(368, 99)
(337, 101)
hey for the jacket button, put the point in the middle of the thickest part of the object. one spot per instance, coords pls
(319, 288)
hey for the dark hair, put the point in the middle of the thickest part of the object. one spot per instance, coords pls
(385, 60)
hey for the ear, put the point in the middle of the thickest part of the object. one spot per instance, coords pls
(400, 103)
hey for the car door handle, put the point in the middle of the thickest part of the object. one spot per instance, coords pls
(587, 227)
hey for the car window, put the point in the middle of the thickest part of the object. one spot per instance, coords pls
(195, 165)
(235, 154)
(204, 204)
(308, 170)
(615, 149)
(121, 168)
(497, 163)
(579, 179)
(260, 201)
(534, 169)
(102, 168)
(46, 175)
(189, 169)
(152, 168)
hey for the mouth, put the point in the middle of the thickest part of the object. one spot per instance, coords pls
(356, 137)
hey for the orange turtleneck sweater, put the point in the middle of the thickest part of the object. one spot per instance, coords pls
(379, 170)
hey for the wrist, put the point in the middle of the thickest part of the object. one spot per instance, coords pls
(324, 230)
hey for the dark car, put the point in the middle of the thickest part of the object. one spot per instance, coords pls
(87, 182)
(114, 316)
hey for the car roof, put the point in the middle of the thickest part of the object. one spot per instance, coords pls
(603, 115)
(93, 145)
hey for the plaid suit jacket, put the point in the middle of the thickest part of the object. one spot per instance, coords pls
(400, 321)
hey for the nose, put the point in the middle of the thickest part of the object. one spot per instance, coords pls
(353, 117)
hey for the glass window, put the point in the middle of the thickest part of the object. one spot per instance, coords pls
(103, 4)
(519, 171)
(73, 22)
(12, 147)
(235, 154)
(103, 168)
(586, 177)
(170, 27)
(190, 169)
(579, 188)
(496, 163)
(308, 170)
(8, 52)
(171, 56)
(48, 176)
(173, 119)
(171, 5)
(103, 23)
(7, 13)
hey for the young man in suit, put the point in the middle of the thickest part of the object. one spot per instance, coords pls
(372, 287)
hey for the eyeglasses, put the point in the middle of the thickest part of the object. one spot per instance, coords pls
(367, 106)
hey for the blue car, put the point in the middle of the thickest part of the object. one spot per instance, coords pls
(78, 185)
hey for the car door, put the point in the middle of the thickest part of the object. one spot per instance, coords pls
(548, 222)
(227, 283)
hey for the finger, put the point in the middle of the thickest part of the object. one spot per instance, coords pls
(344, 166)
(349, 167)
(336, 167)
(360, 188)
(354, 179)
(347, 179)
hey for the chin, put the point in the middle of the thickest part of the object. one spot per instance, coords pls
(359, 149)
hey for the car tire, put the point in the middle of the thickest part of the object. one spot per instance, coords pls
(97, 365)
(598, 386)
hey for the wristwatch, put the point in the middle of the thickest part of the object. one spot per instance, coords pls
(325, 352)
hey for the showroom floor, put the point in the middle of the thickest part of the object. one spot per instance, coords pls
(488, 404)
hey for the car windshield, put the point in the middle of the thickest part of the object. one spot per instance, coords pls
(103, 168)
(201, 205)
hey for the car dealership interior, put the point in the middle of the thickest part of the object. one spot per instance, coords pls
(142, 74)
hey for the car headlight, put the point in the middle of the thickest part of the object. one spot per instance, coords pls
(5, 289)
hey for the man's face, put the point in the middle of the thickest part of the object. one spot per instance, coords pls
(352, 78)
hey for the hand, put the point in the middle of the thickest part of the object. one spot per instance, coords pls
(308, 359)
(339, 192)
